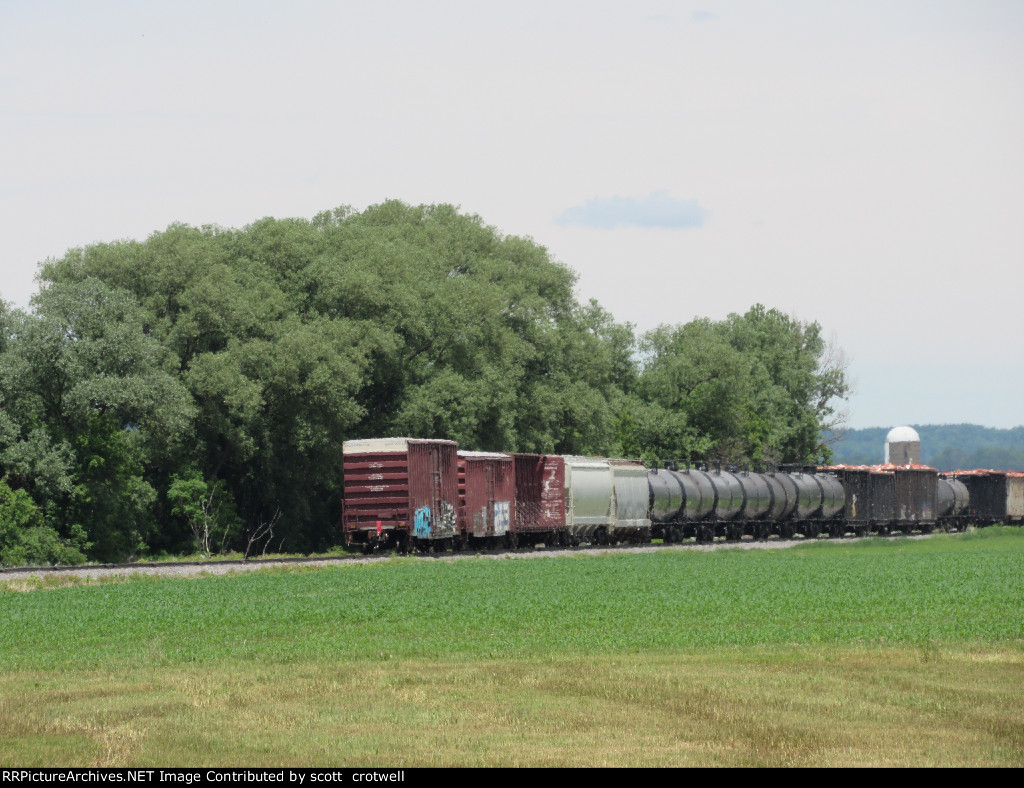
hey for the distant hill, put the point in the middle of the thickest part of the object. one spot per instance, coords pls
(944, 446)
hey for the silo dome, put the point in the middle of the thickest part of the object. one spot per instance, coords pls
(903, 446)
(902, 435)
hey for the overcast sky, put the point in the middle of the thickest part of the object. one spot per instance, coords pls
(857, 163)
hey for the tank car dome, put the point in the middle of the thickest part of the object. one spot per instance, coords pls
(902, 435)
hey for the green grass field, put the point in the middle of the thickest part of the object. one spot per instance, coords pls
(880, 652)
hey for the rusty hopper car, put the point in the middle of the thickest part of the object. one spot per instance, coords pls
(995, 496)
(399, 492)
(487, 498)
(915, 497)
(883, 500)
(988, 495)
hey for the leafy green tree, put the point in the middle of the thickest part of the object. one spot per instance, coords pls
(795, 379)
(207, 509)
(759, 386)
(88, 402)
(24, 539)
(272, 344)
(292, 336)
(17, 513)
(698, 387)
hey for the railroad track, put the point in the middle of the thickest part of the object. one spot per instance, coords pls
(223, 566)
(151, 566)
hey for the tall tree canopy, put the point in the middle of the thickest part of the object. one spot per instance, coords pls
(206, 378)
(88, 400)
(758, 386)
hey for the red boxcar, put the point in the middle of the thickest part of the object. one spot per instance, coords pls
(487, 495)
(399, 489)
(540, 499)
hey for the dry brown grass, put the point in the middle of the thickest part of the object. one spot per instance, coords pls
(795, 706)
(46, 581)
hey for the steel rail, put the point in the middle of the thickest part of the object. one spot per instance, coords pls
(257, 562)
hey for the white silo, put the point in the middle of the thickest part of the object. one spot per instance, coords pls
(903, 446)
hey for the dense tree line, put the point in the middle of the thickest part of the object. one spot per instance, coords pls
(193, 391)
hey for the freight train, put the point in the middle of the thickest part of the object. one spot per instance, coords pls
(407, 493)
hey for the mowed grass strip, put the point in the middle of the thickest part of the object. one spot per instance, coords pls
(887, 652)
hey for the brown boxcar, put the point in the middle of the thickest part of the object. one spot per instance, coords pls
(397, 489)
(540, 498)
(487, 494)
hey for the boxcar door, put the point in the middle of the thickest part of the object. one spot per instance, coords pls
(489, 505)
(436, 490)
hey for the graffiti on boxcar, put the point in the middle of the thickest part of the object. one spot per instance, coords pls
(445, 525)
(501, 517)
(421, 526)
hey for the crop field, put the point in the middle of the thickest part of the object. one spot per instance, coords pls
(877, 652)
